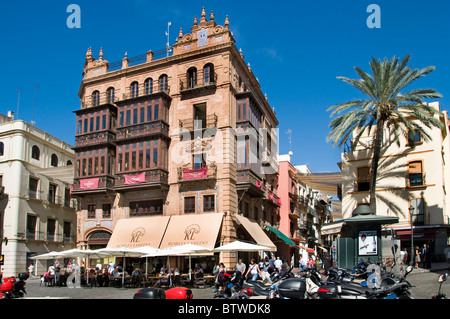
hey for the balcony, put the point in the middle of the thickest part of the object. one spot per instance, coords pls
(90, 185)
(45, 236)
(302, 200)
(94, 139)
(133, 181)
(272, 198)
(142, 91)
(210, 121)
(100, 99)
(269, 160)
(142, 130)
(204, 174)
(249, 182)
(198, 83)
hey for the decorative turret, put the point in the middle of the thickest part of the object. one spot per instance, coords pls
(204, 33)
(94, 67)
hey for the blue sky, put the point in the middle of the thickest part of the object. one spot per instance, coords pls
(295, 48)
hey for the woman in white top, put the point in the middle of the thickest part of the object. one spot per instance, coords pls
(254, 270)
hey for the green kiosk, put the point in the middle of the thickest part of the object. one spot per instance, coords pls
(360, 237)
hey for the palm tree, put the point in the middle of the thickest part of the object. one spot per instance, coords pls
(384, 106)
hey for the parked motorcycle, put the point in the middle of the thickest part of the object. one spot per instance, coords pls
(12, 288)
(291, 288)
(158, 293)
(261, 289)
(440, 295)
(389, 288)
(231, 285)
(313, 281)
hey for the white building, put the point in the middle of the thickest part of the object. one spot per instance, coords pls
(411, 179)
(36, 172)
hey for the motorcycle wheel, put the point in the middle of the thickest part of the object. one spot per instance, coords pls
(406, 295)
(313, 296)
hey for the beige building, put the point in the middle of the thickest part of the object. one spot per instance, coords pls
(169, 135)
(36, 172)
(410, 180)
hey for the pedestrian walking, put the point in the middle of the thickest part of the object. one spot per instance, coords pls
(278, 263)
(301, 263)
(31, 269)
(417, 257)
(240, 266)
(253, 270)
(265, 276)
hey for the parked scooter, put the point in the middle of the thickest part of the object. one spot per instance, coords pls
(313, 281)
(391, 288)
(231, 285)
(260, 289)
(158, 293)
(339, 274)
(440, 295)
(291, 288)
(10, 288)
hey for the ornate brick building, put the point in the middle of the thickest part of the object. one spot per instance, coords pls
(189, 133)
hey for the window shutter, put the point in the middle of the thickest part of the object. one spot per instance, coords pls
(363, 174)
(415, 167)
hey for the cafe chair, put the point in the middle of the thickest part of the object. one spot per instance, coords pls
(177, 281)
(164, 282)
(199, 281)
(144, 281)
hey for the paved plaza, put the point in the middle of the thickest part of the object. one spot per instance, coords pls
(425, 282)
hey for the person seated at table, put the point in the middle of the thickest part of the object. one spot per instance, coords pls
(99, 280)
(116, 272)
(105, 277)
(92, 277)
(136, 272)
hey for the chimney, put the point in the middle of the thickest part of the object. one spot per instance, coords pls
(11, 115)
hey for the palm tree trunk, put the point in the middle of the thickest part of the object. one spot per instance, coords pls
(374, 165)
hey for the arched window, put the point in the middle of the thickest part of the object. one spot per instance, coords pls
(163, 85)
(35, 152)
(69, 162)
(134, 89)
(148, 86)
(54, 160)
(2, 148)
(192, 77)
(95, 98)
(110, 94)
(208, 74)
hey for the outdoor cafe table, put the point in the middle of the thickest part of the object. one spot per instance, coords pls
(118, 279)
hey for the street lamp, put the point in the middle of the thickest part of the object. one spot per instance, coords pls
(411, 213)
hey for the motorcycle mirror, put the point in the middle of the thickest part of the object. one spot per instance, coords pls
(442, 278)
(409, 269)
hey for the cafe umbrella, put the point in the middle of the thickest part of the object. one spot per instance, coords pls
(242, 246)
(172, 251)
(49, 255)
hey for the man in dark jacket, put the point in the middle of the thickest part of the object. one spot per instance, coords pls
(426, 256)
